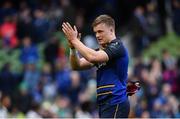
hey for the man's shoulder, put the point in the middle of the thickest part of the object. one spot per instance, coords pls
(115, 45)
(116, 42)
(115, 49)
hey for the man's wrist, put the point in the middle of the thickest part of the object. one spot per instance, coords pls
(74, 42)
(73, 51)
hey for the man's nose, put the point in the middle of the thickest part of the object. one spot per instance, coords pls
(97, 35)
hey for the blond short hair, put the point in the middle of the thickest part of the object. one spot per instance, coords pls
(106, 19)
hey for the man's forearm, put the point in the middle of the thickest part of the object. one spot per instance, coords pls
(74, 59)
(86, 52)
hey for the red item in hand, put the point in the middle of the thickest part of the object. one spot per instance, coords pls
(133, 87)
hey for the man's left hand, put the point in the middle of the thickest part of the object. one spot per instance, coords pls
(71, 33)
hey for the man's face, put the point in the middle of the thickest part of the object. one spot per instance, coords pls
(103, 33)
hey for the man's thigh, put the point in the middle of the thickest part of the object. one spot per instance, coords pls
(114, 111)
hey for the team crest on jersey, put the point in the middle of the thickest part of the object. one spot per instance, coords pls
(99, 65)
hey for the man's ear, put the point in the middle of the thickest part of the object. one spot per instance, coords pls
(111, 29)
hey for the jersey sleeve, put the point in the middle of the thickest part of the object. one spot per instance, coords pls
(115, 50)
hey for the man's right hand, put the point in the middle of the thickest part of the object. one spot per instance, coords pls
(70, 44)
(133, 87)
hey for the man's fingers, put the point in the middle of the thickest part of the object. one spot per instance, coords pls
(66, 27)
(63, 28)
(79, 36)
(69, 26)
(69, 32)
(75, 28)
(65, 31)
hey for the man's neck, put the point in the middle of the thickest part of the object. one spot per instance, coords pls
(112, 38)
(105, 45)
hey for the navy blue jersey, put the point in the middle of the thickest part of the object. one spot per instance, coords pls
(112, 75)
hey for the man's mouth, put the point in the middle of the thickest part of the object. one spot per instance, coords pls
(99, 39)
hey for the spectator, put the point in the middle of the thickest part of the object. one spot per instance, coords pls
(31, 78)
(23, 99)
(139, 31)
(153, 22)
(34, 111)
(7, 10)
(161, 9)
(25, 26)
(176, 16)
(51, 51)
(29, 52)
(168, 61)
(41, 25)
(62, 107)
(75, 88)
(7, 78)
(157, 110)
(5, 103)
(62, 77)
(49, 86)
(8, 32)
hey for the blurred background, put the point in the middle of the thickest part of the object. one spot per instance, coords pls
(35, 76)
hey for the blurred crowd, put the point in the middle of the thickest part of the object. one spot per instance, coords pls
(53, 89)
(159, 95)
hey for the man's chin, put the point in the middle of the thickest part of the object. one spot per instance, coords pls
(101, 43)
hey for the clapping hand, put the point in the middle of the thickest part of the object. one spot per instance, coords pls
(70, 33)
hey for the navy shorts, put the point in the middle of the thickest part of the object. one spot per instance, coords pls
(120, 110)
